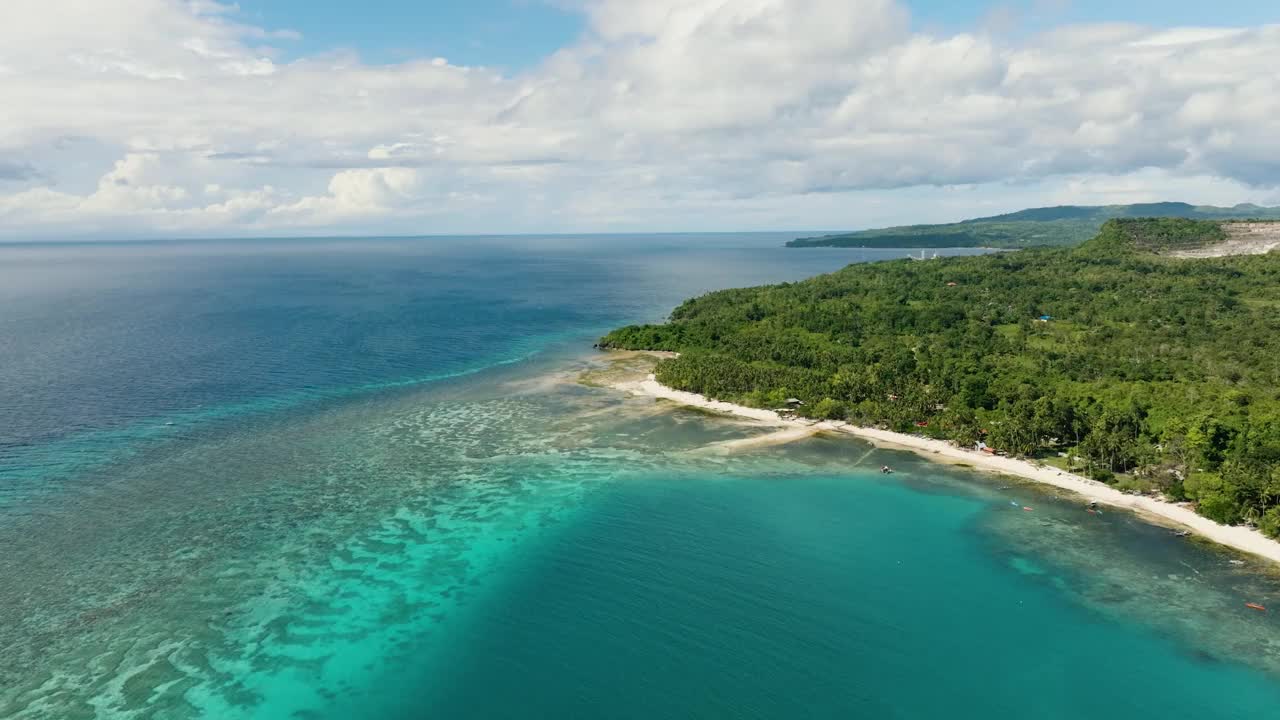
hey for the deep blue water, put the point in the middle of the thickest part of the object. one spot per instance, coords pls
(356, 478)
(107, 342)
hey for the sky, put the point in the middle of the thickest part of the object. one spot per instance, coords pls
(157, 118)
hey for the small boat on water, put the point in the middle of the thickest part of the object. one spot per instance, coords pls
(1255, 606)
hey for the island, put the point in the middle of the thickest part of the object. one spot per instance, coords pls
(1061, 226)
(1146, 359)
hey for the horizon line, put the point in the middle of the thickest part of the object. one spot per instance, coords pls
(391, 236)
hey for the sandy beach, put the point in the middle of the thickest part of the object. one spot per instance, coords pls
(1238, 537)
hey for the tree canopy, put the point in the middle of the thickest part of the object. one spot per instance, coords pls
(1152, 372)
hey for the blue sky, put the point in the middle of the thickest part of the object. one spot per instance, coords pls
(1164, 13)
(513, 34)
(502, 33)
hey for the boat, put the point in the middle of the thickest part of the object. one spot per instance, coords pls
(1255, 606)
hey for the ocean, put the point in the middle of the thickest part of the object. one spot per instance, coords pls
(359, 478)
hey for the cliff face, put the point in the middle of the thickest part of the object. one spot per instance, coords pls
(1243, 238)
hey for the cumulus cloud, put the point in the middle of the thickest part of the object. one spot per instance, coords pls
(166, 116)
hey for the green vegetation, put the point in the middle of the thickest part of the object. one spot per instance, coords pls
(1152, 373)
(1048, 227)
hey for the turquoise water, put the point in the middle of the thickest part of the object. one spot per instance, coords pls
(382, 495)
(689, 595)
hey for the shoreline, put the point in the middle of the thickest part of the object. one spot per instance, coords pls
(1237, 537)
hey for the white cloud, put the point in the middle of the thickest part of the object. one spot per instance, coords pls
(160, 116)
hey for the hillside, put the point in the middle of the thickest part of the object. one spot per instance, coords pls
(1051, 227)
(1146, 370)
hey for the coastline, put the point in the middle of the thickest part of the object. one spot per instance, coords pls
(1234, 536)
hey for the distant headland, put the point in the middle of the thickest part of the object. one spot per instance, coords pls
(1060, 226)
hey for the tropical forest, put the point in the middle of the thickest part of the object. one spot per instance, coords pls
(1129, 359)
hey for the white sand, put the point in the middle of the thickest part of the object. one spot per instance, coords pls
(1240, 538)
(781, 437)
